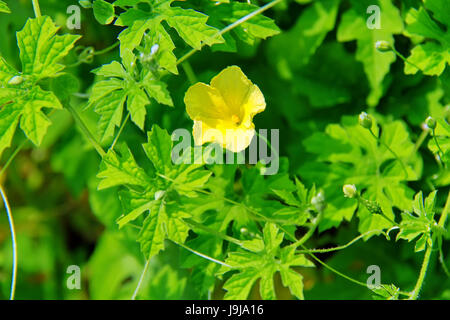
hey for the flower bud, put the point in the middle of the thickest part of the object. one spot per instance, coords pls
(85, 4)
(16, 80)
(154, 49)
(318, 201)
(383, 46)
(349, 190)
(365, 120)
(431, 123)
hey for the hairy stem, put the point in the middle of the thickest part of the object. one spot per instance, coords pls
(426, 258)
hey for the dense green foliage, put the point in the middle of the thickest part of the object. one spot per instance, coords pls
(86, 117)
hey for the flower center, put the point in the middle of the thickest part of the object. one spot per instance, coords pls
(235, 119)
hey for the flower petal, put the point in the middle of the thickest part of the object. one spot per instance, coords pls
(255, 104)
(235, 139)
(234, 86)
(204, 102)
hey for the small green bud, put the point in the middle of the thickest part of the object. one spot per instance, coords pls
(318, 201)
(244, 231)
(383, 46)
(16, 80)
(85, 4)
(365, 120)
(430, 122)
(372, 206)
(349, 190)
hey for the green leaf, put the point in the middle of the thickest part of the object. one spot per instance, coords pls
(145, 26)
(298, 44)
(353, 27)
(160, 193)
(191, 26)
(421, 224)
(41, 50)
(122, 86)
(430, 57)
(351, 155)
(262, 264)
(118, 170)
(103, 11)
(4, 7)
(25, 104)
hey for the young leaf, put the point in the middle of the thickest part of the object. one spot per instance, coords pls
(123, 86)
(263, 264)
(21, 99)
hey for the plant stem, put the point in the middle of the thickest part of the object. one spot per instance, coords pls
(426, 259)
(141, 279)
(195, 224)
(14, 243)
(232, 26)
(393, 153)
(404, 59)
(340, 247)
(11, 158)
(422, 274)
(189, 72)
(37, 10)
(107, 49)
(441, 155)
(202, 255)
(310, 232)
(120, 131)
(86, 130)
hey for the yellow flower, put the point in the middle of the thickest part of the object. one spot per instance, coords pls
(223, 111)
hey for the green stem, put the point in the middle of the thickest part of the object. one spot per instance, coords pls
(189, 72)
(440, 152)
(422, 274)
(404, 59)
(201, 254)
(14, 243)
(343, 246)
(195, 224)
(310, 232)
(120, 131)
(232, 26)
(419, 141)
(391, 151)
(11, 158)
(37, 10)
(141, 280)
(86, 130)
(441, 258)
(426, 258)
(107, 49)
